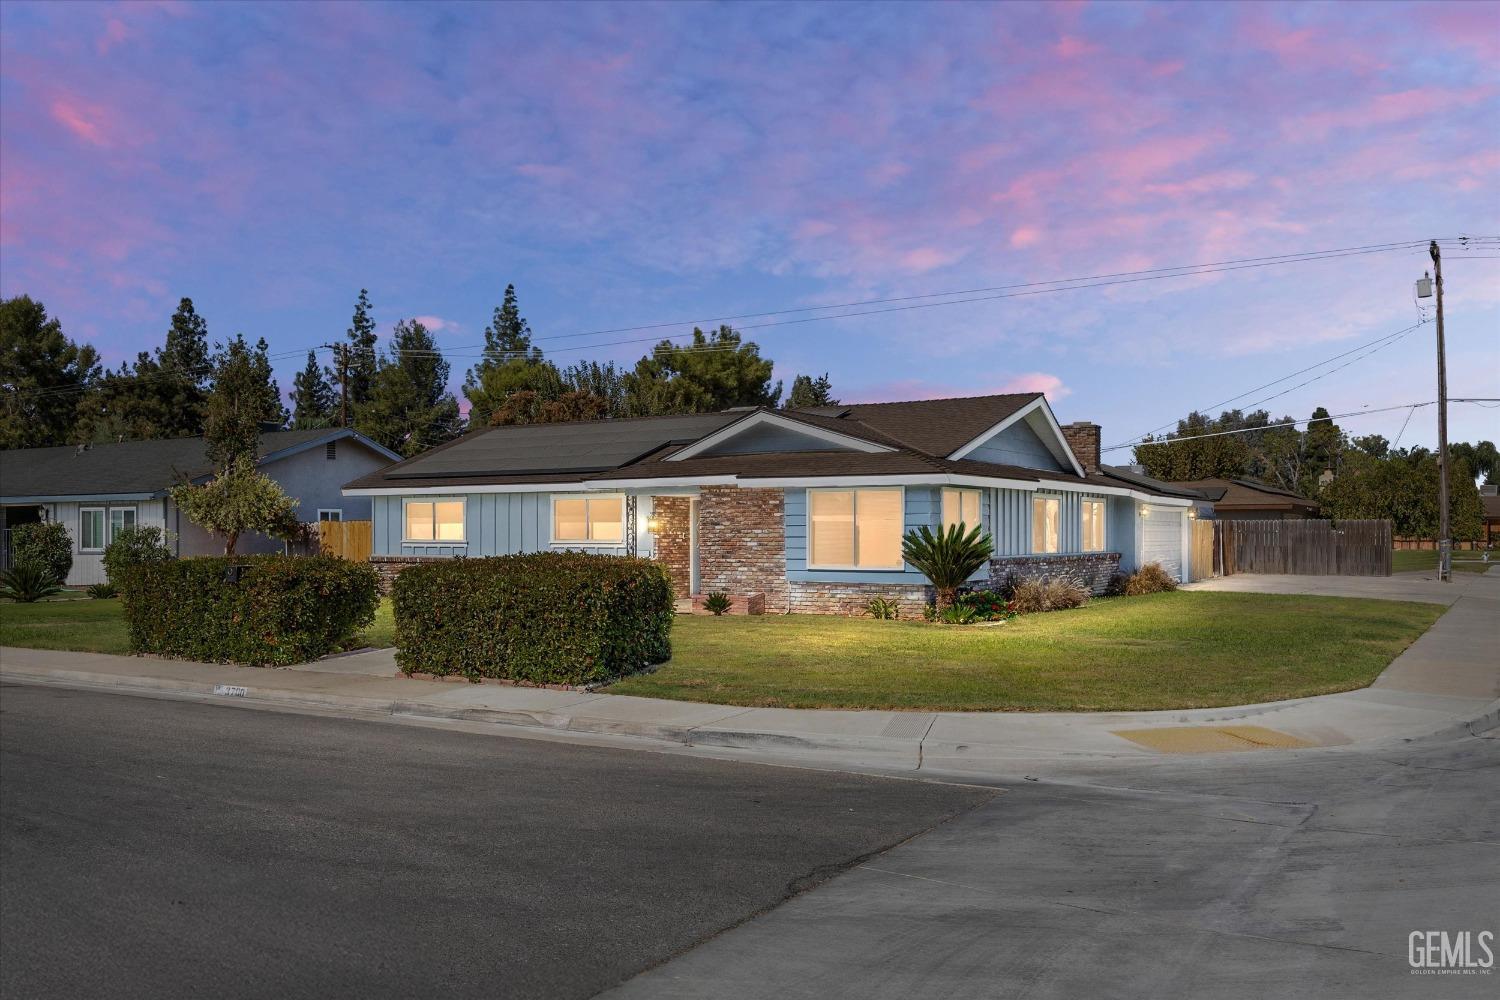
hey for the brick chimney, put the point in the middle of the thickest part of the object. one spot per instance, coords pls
(1083, 438)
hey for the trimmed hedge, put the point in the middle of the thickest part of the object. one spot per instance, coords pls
(283, 610)
(544, 618)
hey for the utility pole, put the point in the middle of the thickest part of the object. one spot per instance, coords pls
(1445, 542)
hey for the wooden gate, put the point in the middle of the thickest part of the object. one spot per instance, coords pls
(1201, 562)
(346, 539)
(1305, 548)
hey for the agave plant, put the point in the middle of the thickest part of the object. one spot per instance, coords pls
(28, 582)
(947, 558)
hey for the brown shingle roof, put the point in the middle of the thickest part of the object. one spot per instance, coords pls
(1245, 494)
(932, 426)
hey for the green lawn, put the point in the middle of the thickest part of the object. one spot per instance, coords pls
(1412, 560)
(1175, 650)
(99, 626)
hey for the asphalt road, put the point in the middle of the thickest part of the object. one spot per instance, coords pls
(172, 849)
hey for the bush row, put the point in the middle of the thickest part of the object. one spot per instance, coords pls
(280, 610)
(545, 618)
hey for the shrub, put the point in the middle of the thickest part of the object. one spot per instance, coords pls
(45, 543)
(1149, 579)
(1030, 596)
(988, 606)
(102, 591)
(718, 602)
(281, 610)
(145, 543)
(28, 582)
(884, 608)
(947, 558)
(958, 614)
(1116, 585)
(548, 618)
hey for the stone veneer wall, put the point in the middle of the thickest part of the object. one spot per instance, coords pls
(1090, 570)
(388, 567)
(742, 543)
(851, 598)
(674, 541)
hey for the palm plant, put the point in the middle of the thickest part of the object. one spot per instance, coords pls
(28, 581)
(947, 558)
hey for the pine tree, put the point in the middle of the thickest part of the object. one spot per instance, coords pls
(181, 374)
(361, 356)
(410, 408)
(245, 399)
(43, 374)
(716, 371)
(511, 363)
(809, 391)
(315, 400)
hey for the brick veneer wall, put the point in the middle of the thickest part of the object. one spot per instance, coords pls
(742, 543)
(674, 541)
(388, 567)
(1090, 570)
(851, 598)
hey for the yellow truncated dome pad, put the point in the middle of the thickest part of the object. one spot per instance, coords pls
(1212, 739)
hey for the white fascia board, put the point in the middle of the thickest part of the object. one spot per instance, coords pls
(775, 419)
(1060, 448)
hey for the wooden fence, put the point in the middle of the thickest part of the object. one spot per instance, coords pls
(1202, 563)
(1305, 548)
(346, 539)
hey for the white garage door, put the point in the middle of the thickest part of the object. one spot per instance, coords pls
(1161, 538)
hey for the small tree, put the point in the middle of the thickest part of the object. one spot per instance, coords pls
(241, 499)
(947, 558)
(145, 543)
(45, 544)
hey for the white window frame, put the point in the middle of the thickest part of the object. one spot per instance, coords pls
(1083, 541)
(103, 513)
(433, 502)
(109, 527)
(978, 505)
(1046, 498)
(854, 512)
(340, 512)
(588, 521)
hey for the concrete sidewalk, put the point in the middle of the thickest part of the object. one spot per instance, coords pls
(1448, 678)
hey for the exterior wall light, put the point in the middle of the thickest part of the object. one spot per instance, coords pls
(1145, 512)
(1192, 513)
(653, 525)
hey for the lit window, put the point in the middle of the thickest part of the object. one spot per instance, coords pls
(855, 529)
(120, 518)
(1046, 519)
(600, 520)
(435, 521)
(1093, 526)
(91, 529)
(960, 507)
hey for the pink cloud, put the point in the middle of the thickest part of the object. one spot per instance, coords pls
(1025, 236)
(928, 259)
(80, 119)
(436, 324)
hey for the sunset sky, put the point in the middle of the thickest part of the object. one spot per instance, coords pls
(629, 165)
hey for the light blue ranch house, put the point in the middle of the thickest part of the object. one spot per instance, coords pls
(805, 507)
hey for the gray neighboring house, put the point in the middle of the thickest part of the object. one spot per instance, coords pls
(100, 489)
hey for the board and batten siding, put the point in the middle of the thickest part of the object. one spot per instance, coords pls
(495, 524)
(88, 567)
(1019, 445)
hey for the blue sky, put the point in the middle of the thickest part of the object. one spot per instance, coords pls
(627, 165)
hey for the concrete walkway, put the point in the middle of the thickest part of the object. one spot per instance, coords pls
(1449, 678)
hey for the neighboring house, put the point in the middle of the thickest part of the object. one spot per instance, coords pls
(100, 489)
(1489, 499)
(805, 506)
(1247, 500)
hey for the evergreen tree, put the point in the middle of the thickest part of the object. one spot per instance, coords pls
(359, 353)
(181, 374)
(511, 363)
(809, 391)
(245, 399)
(604, 381)
(43, 376)
(315, 400)
(410, 408)
(716, 371)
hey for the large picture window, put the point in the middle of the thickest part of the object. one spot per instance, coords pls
(960, 507)
(589, 520)
(1093, 525)
(120, 518)
(91, 529)
(434, 521)
(1046, 524)
(855, 529)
